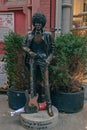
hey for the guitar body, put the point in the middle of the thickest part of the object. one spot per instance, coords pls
(31, 105)
(30, 109)
(34, 102)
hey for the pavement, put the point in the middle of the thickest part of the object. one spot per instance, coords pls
(75, 121)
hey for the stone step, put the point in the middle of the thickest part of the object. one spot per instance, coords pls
(40, 120)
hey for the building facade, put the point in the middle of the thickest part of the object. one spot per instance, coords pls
(17, 14)
(62, 15)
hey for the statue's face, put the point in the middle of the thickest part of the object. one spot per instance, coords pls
(38, 26)
(38, 33)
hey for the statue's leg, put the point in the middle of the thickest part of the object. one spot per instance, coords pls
(45, 76)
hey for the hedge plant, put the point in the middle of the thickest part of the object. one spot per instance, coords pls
(17, 75)
(69, 63)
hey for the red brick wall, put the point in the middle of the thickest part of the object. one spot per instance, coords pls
(19, 22)
(45, 8)
(48, 8)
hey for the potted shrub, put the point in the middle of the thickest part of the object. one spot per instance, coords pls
(16, 70)
(67, 71)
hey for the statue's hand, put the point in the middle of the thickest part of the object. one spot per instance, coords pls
(47, 62)
(26, 49)
(32, 54)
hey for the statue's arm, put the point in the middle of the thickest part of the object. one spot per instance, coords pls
(51, 48)
(26, 45)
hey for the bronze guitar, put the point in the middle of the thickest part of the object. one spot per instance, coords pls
(31, 105)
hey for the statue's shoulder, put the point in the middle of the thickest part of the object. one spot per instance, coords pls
(47, 33)
(29, 35)
(29, 32)
(47, 36)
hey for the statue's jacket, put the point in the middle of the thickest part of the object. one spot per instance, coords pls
(48, 43)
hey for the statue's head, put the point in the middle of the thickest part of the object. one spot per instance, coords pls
(38, 20)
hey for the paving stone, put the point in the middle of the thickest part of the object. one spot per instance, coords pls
(75, 121)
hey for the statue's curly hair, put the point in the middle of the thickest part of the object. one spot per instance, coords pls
(39, 17)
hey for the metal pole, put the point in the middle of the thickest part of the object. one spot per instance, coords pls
(66, 15)
(58, 17)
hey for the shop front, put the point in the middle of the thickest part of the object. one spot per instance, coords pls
(80, 17)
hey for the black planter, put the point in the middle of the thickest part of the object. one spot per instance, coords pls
(68, 102)
(16, 99)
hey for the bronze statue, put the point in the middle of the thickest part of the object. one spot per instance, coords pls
(39, 51)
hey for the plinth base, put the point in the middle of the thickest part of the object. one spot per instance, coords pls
(40, 120)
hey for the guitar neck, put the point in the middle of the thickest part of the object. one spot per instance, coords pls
(31, 79)
(31, 92)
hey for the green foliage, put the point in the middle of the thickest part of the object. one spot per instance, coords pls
(69, 62)
(15, 61)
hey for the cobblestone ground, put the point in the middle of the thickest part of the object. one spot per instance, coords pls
(75, 121)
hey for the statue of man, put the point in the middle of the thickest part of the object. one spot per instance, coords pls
(38, 46)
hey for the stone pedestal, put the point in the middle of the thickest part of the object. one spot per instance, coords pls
(85, 91)
(40, 120)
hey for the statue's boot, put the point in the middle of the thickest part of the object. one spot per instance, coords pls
(50, 111)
